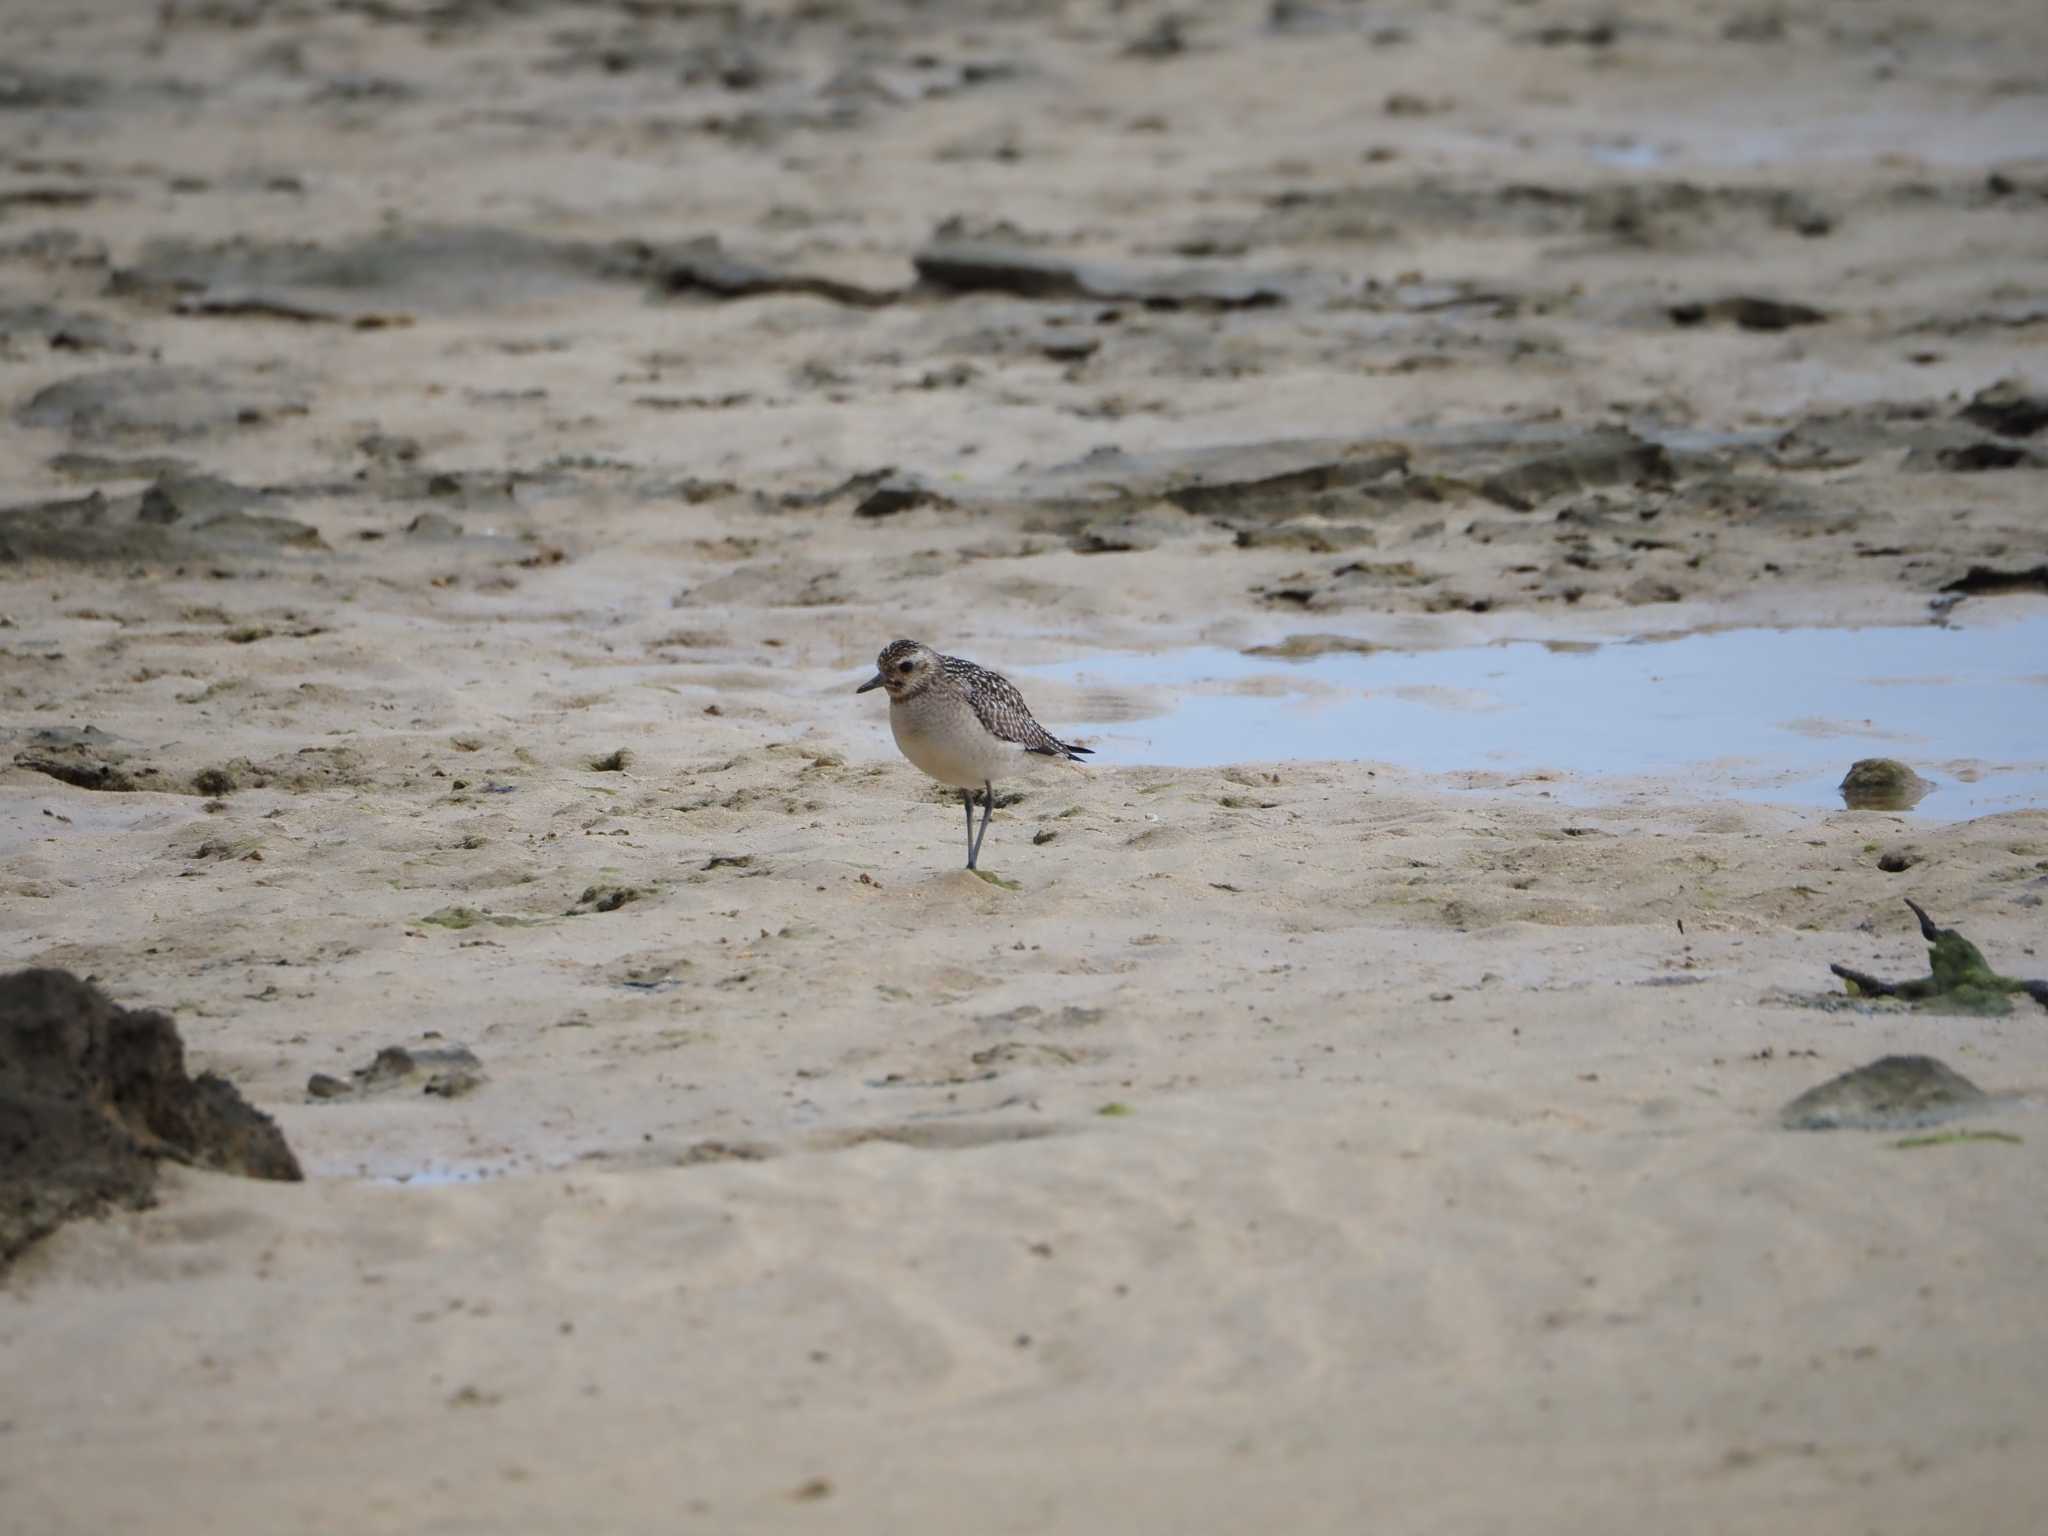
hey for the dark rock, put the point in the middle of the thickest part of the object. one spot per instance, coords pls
(93, 1095)
(609, 898)
(1892, 1093)
(1749, 312)
(968, 268)
(1882, 784)
(2008, 409)
(448, 1072)
(898, 493)
(92, 762)
(1975, 458)
(1984, 581)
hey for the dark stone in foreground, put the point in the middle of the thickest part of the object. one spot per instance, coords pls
(1890, 1094)
(92, 1095)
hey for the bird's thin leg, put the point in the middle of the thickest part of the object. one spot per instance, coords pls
(967, 804)
(988, 809)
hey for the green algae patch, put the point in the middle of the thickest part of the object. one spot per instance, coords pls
(1882, 784)
(459, 918)
(1960, 979)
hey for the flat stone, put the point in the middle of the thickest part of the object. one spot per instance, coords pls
(1891, 1093)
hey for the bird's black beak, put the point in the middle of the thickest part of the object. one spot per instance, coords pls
(873, 682)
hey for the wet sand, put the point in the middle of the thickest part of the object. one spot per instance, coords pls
(462, 457)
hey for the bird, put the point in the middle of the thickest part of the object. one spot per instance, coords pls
(963, 725)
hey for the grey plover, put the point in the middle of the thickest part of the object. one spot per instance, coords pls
(964, 725)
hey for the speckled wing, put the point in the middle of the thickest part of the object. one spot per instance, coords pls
(1002, 710)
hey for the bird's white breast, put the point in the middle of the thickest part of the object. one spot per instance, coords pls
(946, 739)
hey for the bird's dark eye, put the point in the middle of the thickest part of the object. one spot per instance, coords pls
(906, 666)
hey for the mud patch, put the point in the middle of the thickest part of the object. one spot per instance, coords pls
(156, 404)
(943, 1135)
(58, 330)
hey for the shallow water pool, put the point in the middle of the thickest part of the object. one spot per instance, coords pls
(1756, 714)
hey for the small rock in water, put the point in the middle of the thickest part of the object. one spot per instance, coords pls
(1891, 1093)
(1308, 647)
(1882, 784)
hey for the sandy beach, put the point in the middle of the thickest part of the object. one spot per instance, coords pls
(462, 457)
